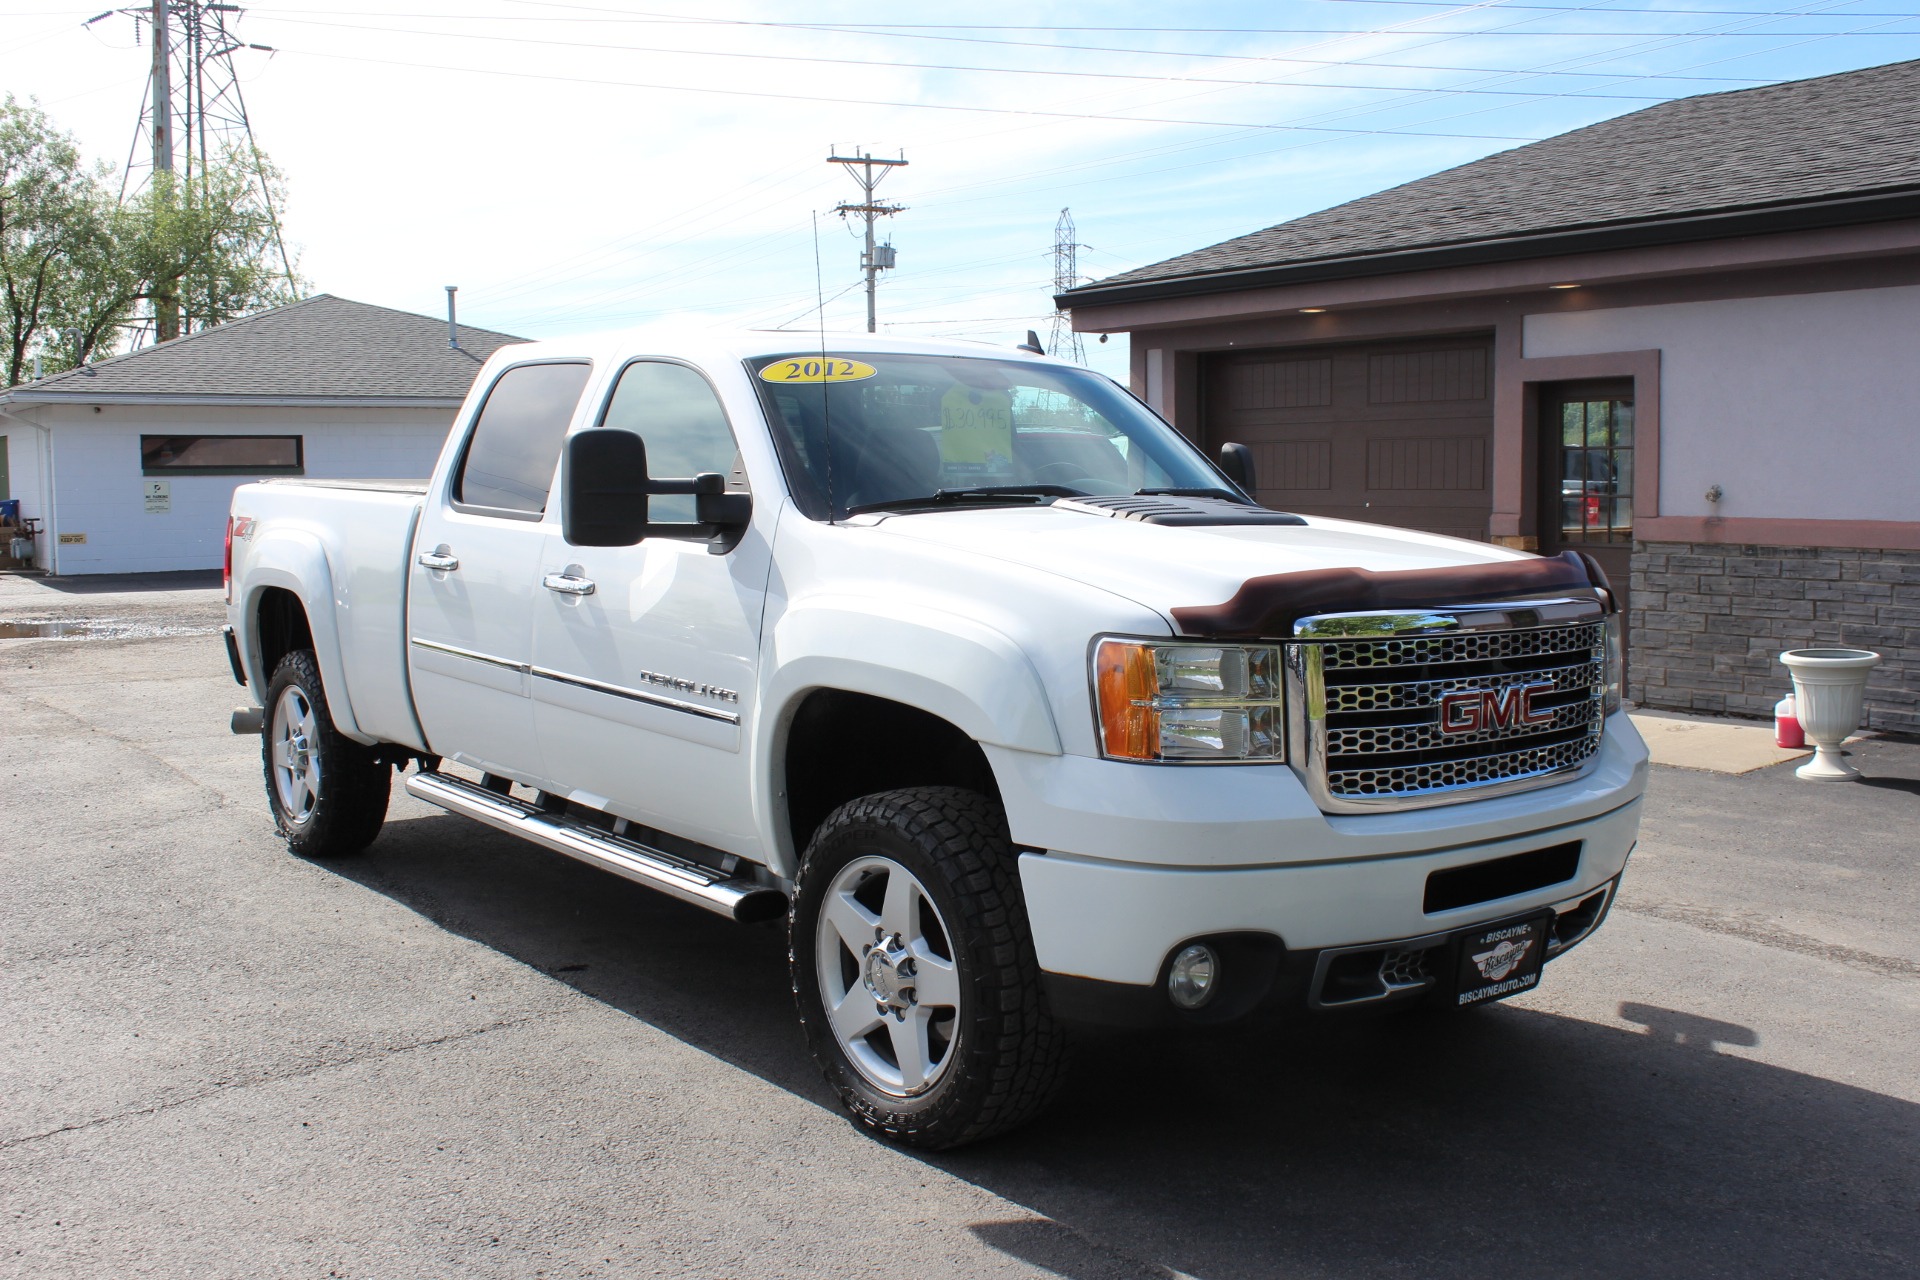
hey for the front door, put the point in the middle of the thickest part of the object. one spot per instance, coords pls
(644, 656)
(1586, 457)
(475, 567)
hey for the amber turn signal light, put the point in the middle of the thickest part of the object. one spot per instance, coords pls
(1124, 676)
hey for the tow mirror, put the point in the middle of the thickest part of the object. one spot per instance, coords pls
(1236, 460)
(604, 489)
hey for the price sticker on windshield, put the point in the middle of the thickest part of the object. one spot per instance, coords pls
(813, 369)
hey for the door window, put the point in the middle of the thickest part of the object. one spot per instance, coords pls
(515, 446)
(675, 410)
(1596, 470)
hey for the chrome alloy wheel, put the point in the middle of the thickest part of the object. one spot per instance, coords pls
(295, 747)
(887, 976)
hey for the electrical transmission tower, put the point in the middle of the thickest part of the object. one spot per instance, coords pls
(193, 111)
(1064, 342)
(877, 258)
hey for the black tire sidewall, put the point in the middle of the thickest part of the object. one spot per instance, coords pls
(354, 788)
(950, 1112)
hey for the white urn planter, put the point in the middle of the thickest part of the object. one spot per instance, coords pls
(1829, 686)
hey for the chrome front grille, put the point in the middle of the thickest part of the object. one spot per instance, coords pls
(1476, 701)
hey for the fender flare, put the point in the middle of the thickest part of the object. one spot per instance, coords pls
(296, 561)
(971, 675)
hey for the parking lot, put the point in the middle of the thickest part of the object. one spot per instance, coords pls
(460, 1055)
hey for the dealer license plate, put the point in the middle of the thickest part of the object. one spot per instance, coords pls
(1501, 959)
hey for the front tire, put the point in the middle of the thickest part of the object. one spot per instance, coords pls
(914, 972)
(328, 793)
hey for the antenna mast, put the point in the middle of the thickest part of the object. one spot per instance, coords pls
(1064, 342)
(877, 258)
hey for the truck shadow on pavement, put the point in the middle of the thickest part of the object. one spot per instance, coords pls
(1499, 1143)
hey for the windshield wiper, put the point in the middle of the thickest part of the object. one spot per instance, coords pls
(979, 493)
(1211, 492)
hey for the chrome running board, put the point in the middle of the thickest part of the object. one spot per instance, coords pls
(743, 900)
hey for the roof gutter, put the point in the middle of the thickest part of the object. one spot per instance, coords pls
(1808, 216)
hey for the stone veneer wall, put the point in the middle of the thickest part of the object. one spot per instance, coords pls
(1707, 621)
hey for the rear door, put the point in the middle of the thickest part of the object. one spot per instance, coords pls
(644, 656)
(475, 573)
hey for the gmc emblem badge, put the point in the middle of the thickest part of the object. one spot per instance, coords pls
(1474, 710)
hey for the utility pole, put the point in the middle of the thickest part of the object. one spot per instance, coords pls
(877, 258)
(162, 91)
(1064, 342)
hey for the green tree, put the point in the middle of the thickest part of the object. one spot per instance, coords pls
(205, 249)
(55, 236)
(79, 271)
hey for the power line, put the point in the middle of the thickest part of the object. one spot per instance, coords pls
(923, 31)
(875, 102)
(275, 15)
(1051, 72)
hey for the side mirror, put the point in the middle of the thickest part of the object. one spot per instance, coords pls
(604, 489)
(1236, 460)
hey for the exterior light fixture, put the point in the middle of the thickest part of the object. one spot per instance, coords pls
(1563, 286)
(1311, 311)
(1190, 981)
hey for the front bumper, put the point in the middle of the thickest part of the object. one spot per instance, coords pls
(1117, 923)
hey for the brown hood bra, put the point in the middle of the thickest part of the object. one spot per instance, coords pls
(1269, 606)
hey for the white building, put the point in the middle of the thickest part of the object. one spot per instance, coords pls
(129, 465)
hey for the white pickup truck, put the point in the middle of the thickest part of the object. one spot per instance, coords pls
(1015, 707)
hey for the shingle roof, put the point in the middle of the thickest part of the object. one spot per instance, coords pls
(1841, 135)
(320, 348)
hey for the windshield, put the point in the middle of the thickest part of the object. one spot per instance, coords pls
(859, 430)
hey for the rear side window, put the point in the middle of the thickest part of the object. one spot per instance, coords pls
(676, 412)
(516, 439)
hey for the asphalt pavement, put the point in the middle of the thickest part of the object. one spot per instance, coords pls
(461, 1056)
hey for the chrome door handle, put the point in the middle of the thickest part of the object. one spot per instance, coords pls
(568, 584)
(439, 560)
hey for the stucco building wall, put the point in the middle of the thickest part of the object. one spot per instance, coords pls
(98, 488)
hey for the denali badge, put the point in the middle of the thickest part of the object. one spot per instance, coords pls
(1503, 959)
(1474, 710)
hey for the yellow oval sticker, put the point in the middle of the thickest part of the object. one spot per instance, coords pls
(816, 369)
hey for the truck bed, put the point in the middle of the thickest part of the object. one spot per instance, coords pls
(348, 543)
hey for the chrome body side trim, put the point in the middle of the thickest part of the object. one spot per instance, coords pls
(471, 655)
(636, 695)
(741, 899)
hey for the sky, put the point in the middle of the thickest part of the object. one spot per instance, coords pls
(614, 163)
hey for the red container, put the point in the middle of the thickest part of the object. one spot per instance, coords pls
(1786, 724)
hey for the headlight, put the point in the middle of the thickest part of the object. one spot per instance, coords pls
(1616, 665)
(1188, 702)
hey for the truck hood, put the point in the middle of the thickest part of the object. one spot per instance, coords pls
(1167, 567)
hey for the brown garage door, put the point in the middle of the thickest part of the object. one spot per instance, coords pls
(1399, 433)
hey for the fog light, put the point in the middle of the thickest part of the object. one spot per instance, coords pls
(1190, 982)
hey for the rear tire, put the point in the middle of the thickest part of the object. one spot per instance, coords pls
(328, 793)
(914, 971)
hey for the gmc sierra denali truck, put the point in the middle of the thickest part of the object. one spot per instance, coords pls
(1016, 708)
